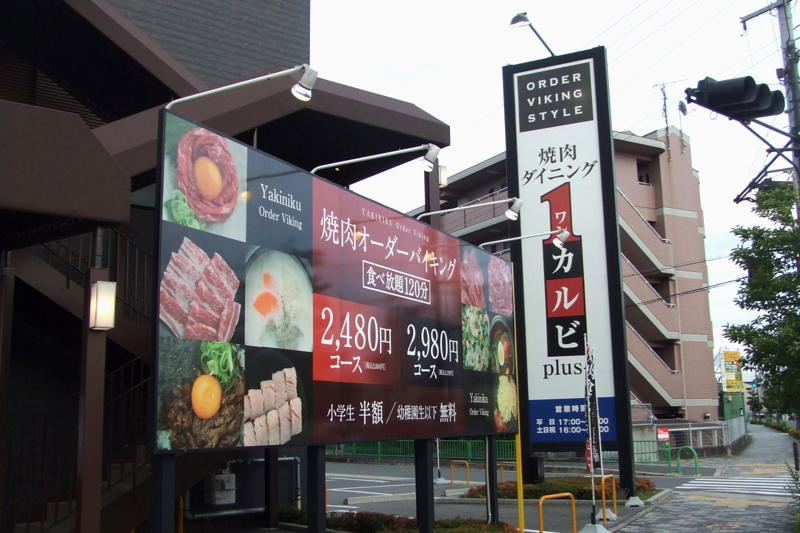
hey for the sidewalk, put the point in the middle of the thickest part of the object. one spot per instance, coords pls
(767, 456)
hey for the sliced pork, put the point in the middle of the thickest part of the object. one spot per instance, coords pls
(296, 411)
(276, 406)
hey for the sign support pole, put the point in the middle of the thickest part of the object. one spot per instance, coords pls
(423, 473)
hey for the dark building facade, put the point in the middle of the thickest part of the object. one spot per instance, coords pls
(81, 87)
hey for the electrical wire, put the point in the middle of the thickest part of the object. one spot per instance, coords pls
(688, 263)
(684, 293)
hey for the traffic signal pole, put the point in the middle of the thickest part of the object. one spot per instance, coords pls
(790, 80)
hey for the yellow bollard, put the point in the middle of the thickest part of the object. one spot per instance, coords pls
(502, 469)
(452, 471)
(559, 495)
(603, 494)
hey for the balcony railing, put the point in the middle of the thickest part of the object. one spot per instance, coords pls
(128, 264)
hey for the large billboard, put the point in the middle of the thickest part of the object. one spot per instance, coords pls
(294, 312)
(560, 163)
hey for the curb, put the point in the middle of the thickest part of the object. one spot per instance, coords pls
(382, 498)
(650, 505)
(450, 497)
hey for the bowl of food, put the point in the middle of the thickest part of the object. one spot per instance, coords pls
(506, 413)
(201, 391)
(475, 338)
(502, 344)
(278, 301)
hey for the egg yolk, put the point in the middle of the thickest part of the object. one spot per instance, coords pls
(206, 396)
(207, 177)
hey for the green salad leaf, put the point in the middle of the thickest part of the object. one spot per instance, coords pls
(181, 213)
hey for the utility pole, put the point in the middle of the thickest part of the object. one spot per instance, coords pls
(790, 78)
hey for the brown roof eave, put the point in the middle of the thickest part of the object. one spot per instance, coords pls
(132, 140)
(53, 165)
(138, 45)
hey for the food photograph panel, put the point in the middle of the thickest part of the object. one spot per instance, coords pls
(277, 400)
(278, 301)
(200, 289)
(204, 179)
(200, 394)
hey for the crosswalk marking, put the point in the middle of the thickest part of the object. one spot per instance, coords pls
(765, 486)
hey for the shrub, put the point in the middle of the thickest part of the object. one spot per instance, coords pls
(370, 522)
(292, 515)
(472, 525)
(580, 487)
(644, 484)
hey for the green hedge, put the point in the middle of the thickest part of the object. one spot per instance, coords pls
(370, 522)
(580, 487)
(783, 427)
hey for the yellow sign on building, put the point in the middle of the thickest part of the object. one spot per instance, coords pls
(733, 371)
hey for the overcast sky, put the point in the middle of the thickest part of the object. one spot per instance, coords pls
(446, 57)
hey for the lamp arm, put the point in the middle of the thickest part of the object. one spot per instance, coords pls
(371, 157)
(542, 40)
(237, 84)
(518, 238)
(464, 207)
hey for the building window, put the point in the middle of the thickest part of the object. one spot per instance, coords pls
(643, 171)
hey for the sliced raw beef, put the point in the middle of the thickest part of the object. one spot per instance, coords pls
(200, 142)
(172, 313)
(197, 295)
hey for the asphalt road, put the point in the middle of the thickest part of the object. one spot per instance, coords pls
(390, 489)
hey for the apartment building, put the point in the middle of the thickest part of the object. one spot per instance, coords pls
(668, 324)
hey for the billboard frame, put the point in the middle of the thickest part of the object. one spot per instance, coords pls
(615, 305)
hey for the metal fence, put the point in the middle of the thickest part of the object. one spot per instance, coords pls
(697, 435)
(458, 449)
(471, 450)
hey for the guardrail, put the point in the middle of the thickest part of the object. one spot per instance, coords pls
(644, 451)
(449, 449)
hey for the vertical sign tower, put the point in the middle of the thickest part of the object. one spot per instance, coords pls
(560, 162)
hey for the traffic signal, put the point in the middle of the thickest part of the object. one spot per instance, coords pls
(738, 98)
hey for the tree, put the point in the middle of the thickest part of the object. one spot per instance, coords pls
(771, 256)
(754, 403)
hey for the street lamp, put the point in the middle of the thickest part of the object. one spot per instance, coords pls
(520, 20)
(512, 213)
(558, 240)
(432, 152)
(301, 90)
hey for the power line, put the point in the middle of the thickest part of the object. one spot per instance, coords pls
(688, 263)
(691, 291)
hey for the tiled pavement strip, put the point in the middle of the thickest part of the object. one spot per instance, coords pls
(707, 510)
